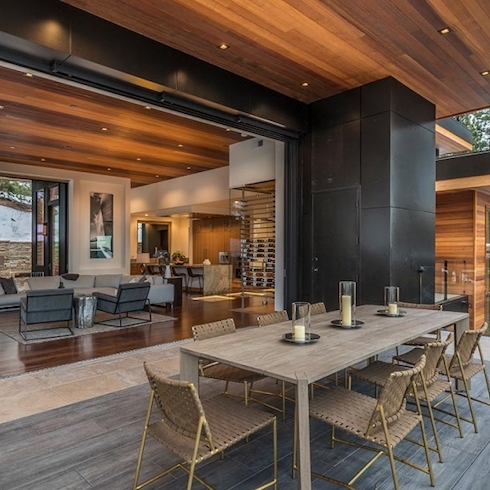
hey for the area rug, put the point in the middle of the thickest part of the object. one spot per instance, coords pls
(9, 325)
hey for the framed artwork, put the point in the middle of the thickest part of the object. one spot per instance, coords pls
(101, 225)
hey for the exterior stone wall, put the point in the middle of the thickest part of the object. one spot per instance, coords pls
(15, 258)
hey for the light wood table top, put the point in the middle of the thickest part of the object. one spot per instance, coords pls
(263, 350)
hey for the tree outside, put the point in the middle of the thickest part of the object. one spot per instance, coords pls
(479, 124)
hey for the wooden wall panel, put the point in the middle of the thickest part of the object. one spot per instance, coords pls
(211, 236)
(482, 203)
(456, 238)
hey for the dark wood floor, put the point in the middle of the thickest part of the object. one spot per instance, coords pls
(16, 358)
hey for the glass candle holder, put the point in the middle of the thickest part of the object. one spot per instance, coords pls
(392, 299)
(347, 303)
(301, 321)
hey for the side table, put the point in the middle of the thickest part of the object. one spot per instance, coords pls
(177, 282)
(85, 306)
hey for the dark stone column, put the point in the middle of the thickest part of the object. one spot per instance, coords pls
(373, 156)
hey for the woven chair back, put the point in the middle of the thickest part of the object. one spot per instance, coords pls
(179, 404)
(272, 318)
(318, 308)
(213, 329)
(466, 346)
(393, 395)
(433, 358)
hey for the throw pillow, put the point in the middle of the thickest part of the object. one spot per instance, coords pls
(142, 279)
(8, 285)
(21, 284)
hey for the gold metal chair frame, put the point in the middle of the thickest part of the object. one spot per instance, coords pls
(196, 431)
(462, 367)
(385, 421)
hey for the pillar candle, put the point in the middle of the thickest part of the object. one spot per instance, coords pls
(392, 309)
(346, 310)
(299, 333)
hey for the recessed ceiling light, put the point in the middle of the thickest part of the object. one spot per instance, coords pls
(223, 46)
(103, 129)
(304, 84)
(12, 147)
(109, 168)
(228, 129)
(485, 73)
(138, 159)
(444, 31)
(180, 145)
(147, 107)
(2, 107)
(188, 168)
(157, 175)
(28, 75)
(43, 159)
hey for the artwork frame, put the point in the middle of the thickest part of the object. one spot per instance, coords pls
(101, 225)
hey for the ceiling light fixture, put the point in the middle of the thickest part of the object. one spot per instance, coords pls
(28, 75)
(2, 107)
(157, 175)
(223, 46)
(43, 159)
(138, 159)
(444, 31)
(188, 168)
(304, 84)
(12, 147)
(484, 73)
(103, 129)
(109, 168)
(180, 145)
(147, 107)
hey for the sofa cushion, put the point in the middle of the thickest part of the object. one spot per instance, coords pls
(157, 280)
(83, 281)
(8, 285)
(108, 280)
(46, 282)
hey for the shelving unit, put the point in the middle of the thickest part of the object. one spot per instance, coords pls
(256, 209)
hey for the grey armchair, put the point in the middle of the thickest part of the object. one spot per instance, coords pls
(45, 306)
(130, 297)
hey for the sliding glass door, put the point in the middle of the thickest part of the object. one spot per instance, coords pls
(49, 212)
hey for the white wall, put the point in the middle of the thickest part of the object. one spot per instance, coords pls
(184, 194)
(80, 185)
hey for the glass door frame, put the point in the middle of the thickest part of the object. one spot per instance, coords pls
(46, 230)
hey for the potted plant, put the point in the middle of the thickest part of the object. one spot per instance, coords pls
(178, 257)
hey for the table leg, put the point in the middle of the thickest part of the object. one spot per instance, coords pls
(189, 368)
(303, 426)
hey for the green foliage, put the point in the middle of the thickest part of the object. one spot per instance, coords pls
(16, 187)
(178, 256)
(479, 124)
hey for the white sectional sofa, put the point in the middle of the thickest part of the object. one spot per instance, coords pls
(160, 291)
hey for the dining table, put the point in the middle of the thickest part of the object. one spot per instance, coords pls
(269, 351)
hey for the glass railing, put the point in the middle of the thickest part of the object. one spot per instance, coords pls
(452, 278)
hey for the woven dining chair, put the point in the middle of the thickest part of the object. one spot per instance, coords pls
(218, 370)
(318, 308)
(381, 423)
(423, 339)
(196, 430)
(430, 385)
(264, 321)
(462, 367)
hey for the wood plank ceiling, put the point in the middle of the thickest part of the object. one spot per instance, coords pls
(331, 46)
(52, 124)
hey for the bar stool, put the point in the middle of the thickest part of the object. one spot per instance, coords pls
(196, 272)
(181, 271)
